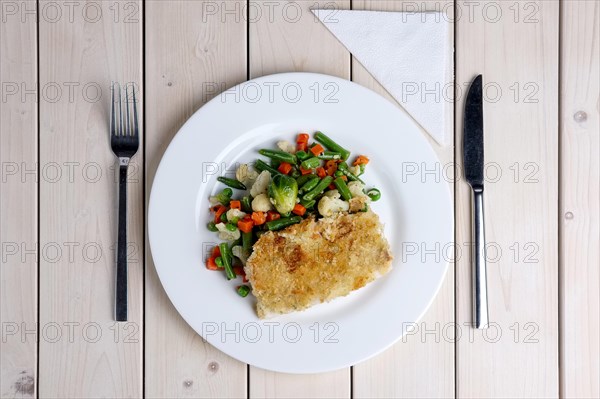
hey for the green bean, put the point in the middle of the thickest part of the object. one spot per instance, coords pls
(224, 217)
(327, 155)
(231, 227)
(343, 166)
(227, 257)
(283, 222)
(246, 204)
(374, 194)
(332, 145)
(219, 262)
(212, 226)
(304, 178)
(232, 182)
(308, 204)
(310, 163)
(322, 185)
(281, 156)
(247, 242)
(295, 173)
(309, 185)
(340, 184)
(261, 166)
(243, 290)
(224, 197)
(302, 155)
(338, 173)
(274, 164)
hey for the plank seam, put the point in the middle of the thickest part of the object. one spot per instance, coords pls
(38, 186)
(142, 99)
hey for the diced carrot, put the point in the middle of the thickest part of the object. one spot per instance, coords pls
(259, 218)
(245, 279)
(272, 215)
(285, 168)
(299, 210)
(216, 252)
(361, 160)
(331, 166)
(301, 146)
(317, 150)
(305, 171)
(239, 271)
(215, 207)
(332, 186)
(245, 225)
(234, 204)
(211, 264)
(345, 178)
(302, 138)
(220, 211)
(321, 172)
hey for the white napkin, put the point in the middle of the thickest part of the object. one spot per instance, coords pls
(408, 53)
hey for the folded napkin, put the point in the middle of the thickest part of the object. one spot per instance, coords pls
(408, 53)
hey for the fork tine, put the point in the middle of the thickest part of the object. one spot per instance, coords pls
(112, 108)
(135, 116)
(128, 124)
(120, 113)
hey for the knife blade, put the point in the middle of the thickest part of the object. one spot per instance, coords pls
(473, 134)
(473, 160)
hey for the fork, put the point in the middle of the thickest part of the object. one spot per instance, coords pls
(124, 140)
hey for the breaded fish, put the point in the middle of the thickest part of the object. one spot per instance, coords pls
(316, 261)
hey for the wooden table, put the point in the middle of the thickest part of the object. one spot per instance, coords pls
(58, 231)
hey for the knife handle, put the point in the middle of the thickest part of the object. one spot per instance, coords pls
(479, 273)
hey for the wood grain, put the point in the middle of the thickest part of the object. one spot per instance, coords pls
(579, 200)
(294, 41)
(428, 354)
(83, 352)
(517, 53)
(18, 201)
(191, 55)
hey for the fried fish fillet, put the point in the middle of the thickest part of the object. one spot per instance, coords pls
(316, 261)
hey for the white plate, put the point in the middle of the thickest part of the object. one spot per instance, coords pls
(415, 207)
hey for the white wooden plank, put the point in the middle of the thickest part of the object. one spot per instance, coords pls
(191, 53)
(515, 46)
(428, 353)
(18, 201)
(289, 38)
(83, 352)
(579, 200)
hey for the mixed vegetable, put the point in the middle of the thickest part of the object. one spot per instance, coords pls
(299, 181)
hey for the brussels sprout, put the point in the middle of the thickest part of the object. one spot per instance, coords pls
(283, 190)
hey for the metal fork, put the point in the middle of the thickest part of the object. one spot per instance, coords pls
(124, 140)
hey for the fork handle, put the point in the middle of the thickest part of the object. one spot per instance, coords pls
(121, 283)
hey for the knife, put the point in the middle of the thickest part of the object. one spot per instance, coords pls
(473, 164)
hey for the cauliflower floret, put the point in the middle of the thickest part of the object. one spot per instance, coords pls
(261, 203)
(235, 213)
(213, 200)
(335, 194)
(356, 189)
(355, 170)
(227, 235)
(261, 185)
(328, 206)
(286, 146)
(246, 174)
(239, 253)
